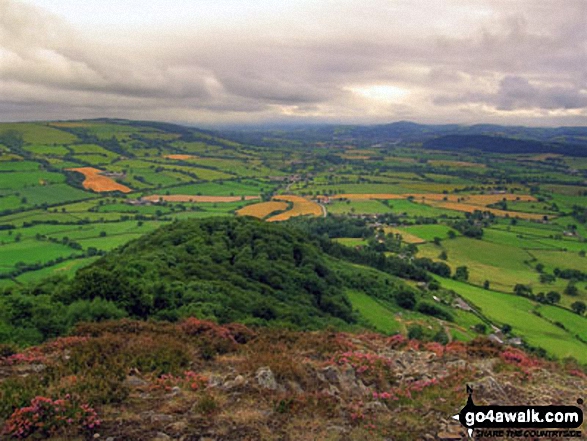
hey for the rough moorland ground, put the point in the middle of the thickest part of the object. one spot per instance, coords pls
(196, 380)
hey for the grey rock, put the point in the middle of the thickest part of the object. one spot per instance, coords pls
(161, 418)
(216, 380)
(133, 381)
(375, 406)
(239, 380)
(339, 429)
(266, 379)
(178, 426)
(345, 379)
(28, 368)
(331, 374)
(490, 388)
(457, 364)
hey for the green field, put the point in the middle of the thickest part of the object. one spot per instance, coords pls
(67, 268)
(19, 166)
(414, 209)
(226, 188)
(429, 232)
(39, 133)
(561, 259)
(358, 207)
(381, 317)
(519, 240)
(25, 179)
(351, 241)
(576, 324)
(30, 252)
(517, 312)
(44, 150)
(503, 265)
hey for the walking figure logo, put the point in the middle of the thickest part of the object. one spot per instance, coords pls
(520, 420)
(469, 406)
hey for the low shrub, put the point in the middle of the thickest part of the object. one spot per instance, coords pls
(45, 417)
(189, 380)
(16, 392)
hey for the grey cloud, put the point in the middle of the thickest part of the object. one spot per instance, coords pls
(516, 93)
(508, 63)
(40, 49)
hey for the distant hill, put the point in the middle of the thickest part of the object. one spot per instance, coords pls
(502, 139)
(501, 144)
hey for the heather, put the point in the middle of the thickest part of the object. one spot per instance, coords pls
(198, 379)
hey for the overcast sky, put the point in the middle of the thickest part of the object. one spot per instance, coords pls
(206, 62)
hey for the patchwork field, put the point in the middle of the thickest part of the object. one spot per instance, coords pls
(59, 212)
(446, 163)
(518, 313)
(195, 198)
(467, 203)
(469, 208)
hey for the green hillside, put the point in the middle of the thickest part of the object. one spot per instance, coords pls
(226, 269)
(229, 269)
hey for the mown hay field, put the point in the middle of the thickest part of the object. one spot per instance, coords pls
(179, 157)
(442, 162)
(262, 209)
(354, 196)
(470, 208)
(96, 182)
(474, 199)
(301, 207)
(467, 203)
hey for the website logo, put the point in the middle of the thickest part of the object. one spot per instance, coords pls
(520, 421)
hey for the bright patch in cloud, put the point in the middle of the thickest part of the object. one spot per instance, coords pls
(383, 93)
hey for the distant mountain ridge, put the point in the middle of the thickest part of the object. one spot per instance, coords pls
(489, 138)
(565, 140)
